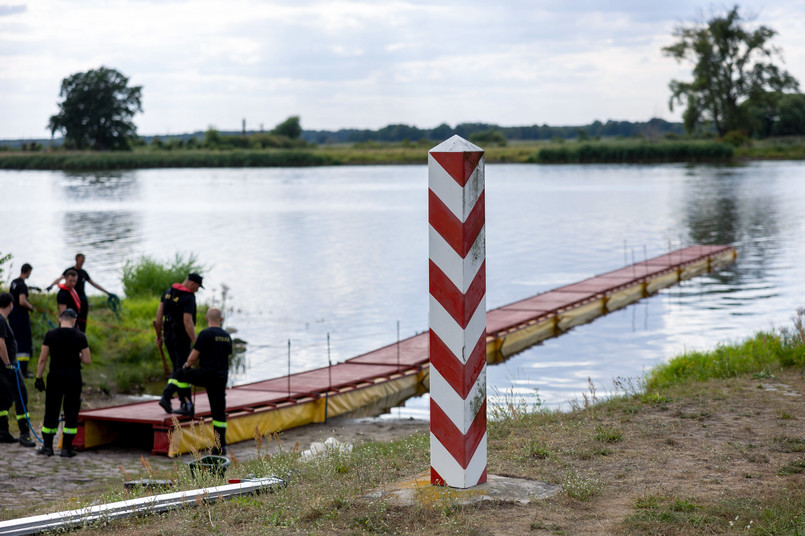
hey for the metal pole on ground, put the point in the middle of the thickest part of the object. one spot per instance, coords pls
(457, 286)
(289, 368)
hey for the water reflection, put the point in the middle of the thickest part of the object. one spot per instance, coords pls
(735, 206)
(104, 236)
(107, 186)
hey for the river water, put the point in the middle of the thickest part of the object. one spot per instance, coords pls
(343, 251)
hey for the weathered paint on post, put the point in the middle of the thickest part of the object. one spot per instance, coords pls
(457, 284)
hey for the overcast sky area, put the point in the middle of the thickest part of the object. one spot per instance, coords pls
(361, 64)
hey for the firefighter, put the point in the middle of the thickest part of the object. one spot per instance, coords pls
(20, 320)
(68, 349)
(176, 325)
(212, 351)
(12, 384)
(82, 278)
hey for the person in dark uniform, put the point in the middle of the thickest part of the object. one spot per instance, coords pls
(212, 351)
(176, 325)
(68, 349)
(12, 385)
(83, 279)
(20, 320)
(67, 297)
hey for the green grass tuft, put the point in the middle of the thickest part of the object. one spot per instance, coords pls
(149, 277)
(759, 355)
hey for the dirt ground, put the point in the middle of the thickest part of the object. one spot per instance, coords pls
(724, 439)
(27, 478)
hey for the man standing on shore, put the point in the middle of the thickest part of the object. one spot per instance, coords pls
(12, 384)
(176, 324)
(212, 351)
(20, 320)
(83, 279)
(68, 349)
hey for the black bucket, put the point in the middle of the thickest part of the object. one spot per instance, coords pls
(215, 465)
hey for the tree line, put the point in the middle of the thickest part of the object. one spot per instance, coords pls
(482, 131)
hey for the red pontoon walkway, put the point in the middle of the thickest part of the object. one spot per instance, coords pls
(384, 378)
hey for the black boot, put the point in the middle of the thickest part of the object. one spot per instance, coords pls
(167, 395)
(67, 450)
(47, 445)
(219, 448)
(25, 434)
(5, 435)
(186, 409)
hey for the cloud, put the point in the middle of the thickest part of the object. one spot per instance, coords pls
(13, 9)
(359, 63)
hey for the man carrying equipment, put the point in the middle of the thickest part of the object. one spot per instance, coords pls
(12, 385)
(176, 324)
(82, 279)
(20, 321)
(69, 349)
(212, 351)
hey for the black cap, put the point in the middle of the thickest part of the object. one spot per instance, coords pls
(68, 313)
(195, 278)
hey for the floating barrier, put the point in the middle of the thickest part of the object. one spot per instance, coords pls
(371, 383)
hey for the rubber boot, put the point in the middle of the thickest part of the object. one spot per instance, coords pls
(67, 450)
(219, 448)
(47, 445)
(5, 435)
(25, 433)
(167, 395)
(185, 396)
(186, 409)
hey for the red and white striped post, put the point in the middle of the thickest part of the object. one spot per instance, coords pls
(457, 284)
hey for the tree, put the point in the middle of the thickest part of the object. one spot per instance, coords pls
(732, 64)
(791, 116)
(488, 137)
(289, 128)
(97, 110)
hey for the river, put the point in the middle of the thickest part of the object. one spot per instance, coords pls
(307, 252)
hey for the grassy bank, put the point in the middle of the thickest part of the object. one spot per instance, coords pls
(711, 443)
(93, 161)
(635, 152)
(371, 153)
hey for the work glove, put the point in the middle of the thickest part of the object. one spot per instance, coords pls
(39, 384)
(48, 288)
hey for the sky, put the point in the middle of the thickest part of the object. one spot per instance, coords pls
(361, 64)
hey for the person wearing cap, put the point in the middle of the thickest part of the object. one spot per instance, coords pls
(82, 278)
(20, 320)
(68, 349)
(176, 326)
(12, 385)
(212, 351)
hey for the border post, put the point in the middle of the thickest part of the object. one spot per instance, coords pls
(457, 286)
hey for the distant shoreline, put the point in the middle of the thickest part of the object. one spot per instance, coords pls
(628, 151)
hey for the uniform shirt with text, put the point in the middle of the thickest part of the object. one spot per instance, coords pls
(214, 346)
